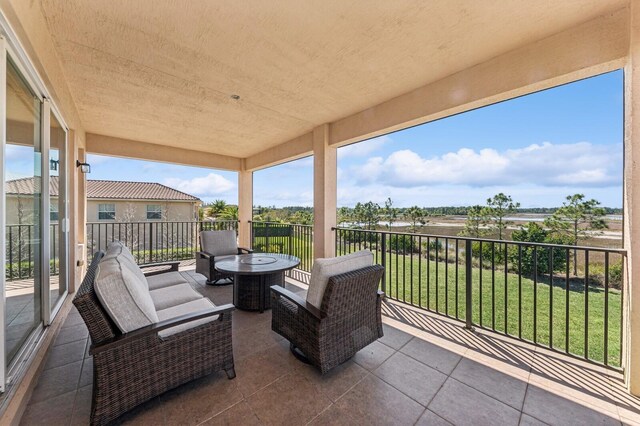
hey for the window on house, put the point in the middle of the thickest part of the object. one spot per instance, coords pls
(106, 211)
(53, 212)
(154, 212)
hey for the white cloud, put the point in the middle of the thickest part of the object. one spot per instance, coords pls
(210, 185)
(578, 164)
(364, 148)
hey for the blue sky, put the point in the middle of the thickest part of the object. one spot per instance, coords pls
(537, 148)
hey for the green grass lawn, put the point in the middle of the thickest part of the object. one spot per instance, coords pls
(434, 286)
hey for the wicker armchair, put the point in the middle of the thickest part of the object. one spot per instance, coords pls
(131, 368)
(349, 319)
(216, 245)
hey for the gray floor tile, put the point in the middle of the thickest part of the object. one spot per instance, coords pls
(463, 405)
(411, 377)
(494, 383)
(556, 410)
(431, 355)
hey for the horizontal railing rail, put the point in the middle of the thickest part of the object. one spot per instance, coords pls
(286, 238)
(563, 297)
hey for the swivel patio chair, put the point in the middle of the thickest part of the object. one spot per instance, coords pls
(341, 315)
(215, 246)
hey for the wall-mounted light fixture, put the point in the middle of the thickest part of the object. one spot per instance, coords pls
(84, 167)
(53, 165)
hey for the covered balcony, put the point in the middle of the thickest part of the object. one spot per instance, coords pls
(242, 86)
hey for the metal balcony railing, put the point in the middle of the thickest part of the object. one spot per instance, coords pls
(567, 298)
(151, 242)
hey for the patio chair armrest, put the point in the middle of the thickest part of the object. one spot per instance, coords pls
(297, 300)
(203, 255)
(245, 250)
(169, 267)
(140, 333)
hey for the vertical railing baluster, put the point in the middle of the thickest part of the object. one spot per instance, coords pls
(606, 308)
(457, 267)
(493, 286)
(384, 262)
(151, 242)
(411, 243)
(468, 283)
(586, 304)
(480, 292)
(566, 295)
(446, 276)
(420, 271)
(535, 294)
(520, 291)
(436, 277)
(429, 273)
(506, 288)
(550, 251)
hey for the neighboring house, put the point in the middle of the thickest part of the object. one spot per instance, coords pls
(109, 201)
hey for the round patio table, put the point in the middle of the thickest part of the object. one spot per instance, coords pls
(253, 275)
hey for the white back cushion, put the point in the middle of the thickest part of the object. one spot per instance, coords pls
(219, 243)
(124, 295)
(323, 269)
(119, 250)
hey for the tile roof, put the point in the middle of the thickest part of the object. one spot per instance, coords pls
(108, 189)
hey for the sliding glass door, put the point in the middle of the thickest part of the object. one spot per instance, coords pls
(34, 225)
(23, 221)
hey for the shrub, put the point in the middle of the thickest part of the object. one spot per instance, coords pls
(534, 233)
(597, 275)
(489, 252)
(403, 243)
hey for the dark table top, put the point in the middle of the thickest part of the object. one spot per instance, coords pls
(257, 263)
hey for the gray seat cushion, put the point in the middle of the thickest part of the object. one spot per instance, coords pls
(167, 279)
(124, 295)
(219, 243)
(178, 294)
(184, 309)
(323, 269)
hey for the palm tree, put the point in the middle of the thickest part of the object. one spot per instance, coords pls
(217, 208)
(230, 213)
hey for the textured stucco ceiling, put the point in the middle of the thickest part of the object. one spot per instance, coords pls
(163, 71)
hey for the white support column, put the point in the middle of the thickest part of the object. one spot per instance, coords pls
(631, 308)
(325, 176)
(245, 207)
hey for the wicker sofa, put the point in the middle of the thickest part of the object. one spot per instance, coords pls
(191, 337)
(216, 246)
(341, 314)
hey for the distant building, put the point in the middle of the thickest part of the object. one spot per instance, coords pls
(109, 201)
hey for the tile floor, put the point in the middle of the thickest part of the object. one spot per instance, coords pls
(426, 370)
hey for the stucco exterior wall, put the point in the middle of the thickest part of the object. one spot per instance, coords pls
(126, 211)
(136, 211)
